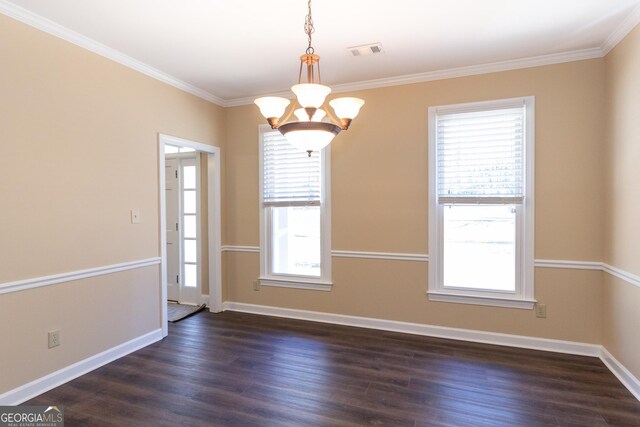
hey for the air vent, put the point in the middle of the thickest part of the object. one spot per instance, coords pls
(365, 50)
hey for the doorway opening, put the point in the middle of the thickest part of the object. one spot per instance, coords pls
(184, 227)
(189, 224)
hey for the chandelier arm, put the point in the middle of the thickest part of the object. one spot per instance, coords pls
(289, 113)
(334, 119)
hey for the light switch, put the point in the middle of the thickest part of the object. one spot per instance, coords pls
(135, 216)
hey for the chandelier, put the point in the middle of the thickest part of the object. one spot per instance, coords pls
(316, 125)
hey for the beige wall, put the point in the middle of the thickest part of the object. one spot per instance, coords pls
(93, 315)
(79, 150)
(79, 144)
(379, 203)
(622, 203)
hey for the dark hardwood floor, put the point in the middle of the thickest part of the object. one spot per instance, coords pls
(247, 370)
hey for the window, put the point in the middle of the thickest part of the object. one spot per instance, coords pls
(481, 182)
(172, 149)
(295, 245)
(189, 222)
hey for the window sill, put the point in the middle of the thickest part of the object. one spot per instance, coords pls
(481, 300)
(296, 283)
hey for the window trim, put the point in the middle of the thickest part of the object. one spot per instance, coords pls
(267, 277)
(523, 297)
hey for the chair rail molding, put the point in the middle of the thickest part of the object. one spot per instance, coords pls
(38, 282)
(399, 256)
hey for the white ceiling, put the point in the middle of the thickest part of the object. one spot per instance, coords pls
(229, 51)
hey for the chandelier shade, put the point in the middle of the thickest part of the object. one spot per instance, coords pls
(311, 94)
(311, 136)
(317, 125)
(272, 106)
(346, 108)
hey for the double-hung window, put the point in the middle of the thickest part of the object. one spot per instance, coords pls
(481, 207)
(295, 246)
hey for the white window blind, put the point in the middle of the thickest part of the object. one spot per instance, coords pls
(290, 176)
(480, 156)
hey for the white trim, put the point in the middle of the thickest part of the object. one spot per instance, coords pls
(296, 283)
(250, 249)
(204, 299)
(621, 274)
(626, 378)
(381, 255)
(393, 256)
(162, 202)
(523, 294)
(590, 265)
(573, 265)
(481, 300)
(630, 278)
(472, 70)
(57, 30)
(630, 22)
(215, 227)
(181, 142)
(396, 256)
(267, 276)
(544, 344)
(325, 221)
(214, 219)
(38, 282)
(558, 346)
(68, 373)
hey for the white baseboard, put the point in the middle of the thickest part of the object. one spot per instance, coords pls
(204, 299)
(627, 378)
(64, 375)
(533, 343)
(519, 341)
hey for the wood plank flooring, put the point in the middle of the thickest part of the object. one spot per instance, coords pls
(234, 369)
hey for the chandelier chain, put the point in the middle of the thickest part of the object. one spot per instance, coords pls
(309, 28)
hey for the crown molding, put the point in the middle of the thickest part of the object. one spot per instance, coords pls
(27, 17)
(238, 102)
(57, 30)
(629, 23)
(473, 70)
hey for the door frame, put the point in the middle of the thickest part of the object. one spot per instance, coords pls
(213, 220)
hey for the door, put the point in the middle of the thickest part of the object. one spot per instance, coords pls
(173, 235)
(183, 228)
(189, 225)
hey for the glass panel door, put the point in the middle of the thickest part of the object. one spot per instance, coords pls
(183, 227)
(190, 283)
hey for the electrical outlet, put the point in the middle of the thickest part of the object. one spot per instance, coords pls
(135, 216)
(54, 338)
(541, 310)
(256, 285)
